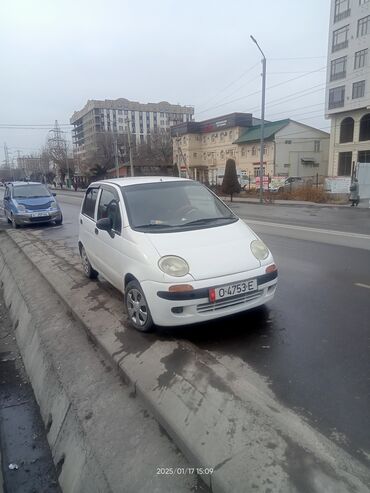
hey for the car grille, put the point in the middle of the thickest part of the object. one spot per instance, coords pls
(37, 207)
(39, 219)
(232, 301)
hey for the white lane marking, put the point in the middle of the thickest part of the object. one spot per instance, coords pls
(360, 285)
(312, 230)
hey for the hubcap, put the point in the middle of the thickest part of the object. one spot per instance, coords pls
(136, 307)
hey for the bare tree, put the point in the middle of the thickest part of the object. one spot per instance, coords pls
(157, 150)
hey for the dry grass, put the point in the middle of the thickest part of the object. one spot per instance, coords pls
(309, 194)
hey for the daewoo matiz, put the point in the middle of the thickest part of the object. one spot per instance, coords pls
(175, 250)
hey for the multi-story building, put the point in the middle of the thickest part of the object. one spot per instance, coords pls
(98, 119)
(291, 148)
(348, 85)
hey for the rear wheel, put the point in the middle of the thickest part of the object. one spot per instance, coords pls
(87, 267)
(137, 308)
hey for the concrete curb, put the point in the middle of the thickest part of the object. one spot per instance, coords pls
(102, 440)
(217, 417)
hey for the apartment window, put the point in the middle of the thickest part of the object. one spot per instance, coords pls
(341, 10)
(120, 128)
(345, 164)
(338, 68)
(360, 58)
(254, 151)
(316, 146)
(120, 120)
(340, 38)
(120, 112)
(358, 89)
(365, 127)
(363, 26)
(288, 141)
(336, 97)
(362, 2)
(346, 130)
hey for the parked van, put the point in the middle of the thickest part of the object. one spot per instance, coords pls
(175, 250)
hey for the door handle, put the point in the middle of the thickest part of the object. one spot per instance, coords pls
(96, 231)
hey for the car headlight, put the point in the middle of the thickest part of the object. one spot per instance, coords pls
(259, 250)
(21, 208)
(173, 266)
(54, 206)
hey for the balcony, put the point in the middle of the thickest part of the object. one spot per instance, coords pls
(339, 75)
(340, 46)
(342, 15)
(336, 104)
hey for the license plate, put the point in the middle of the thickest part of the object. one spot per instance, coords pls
(40, 214)
(234, 289)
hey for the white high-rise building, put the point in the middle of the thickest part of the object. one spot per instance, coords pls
(348, 85)
(98, 119)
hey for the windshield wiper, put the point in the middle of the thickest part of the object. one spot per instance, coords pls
(208, 220)
(155, 225)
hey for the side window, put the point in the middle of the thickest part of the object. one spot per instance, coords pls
(88, 207)
(109, 207)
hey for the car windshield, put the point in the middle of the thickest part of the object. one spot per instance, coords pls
(30, 191)
(174, 206)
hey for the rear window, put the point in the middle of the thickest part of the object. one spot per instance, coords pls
(88, 207)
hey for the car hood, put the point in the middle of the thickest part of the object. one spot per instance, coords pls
(210, 252)
(33, 202)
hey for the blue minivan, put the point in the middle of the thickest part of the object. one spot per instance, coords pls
(29, 203)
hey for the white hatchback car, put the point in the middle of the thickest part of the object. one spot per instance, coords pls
(175, 250)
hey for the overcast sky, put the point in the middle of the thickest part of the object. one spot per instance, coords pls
(55, 55)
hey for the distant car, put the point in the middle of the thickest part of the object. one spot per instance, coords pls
(175, 250)
(29, 203)
(298, 180)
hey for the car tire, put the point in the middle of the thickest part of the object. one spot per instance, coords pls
(14, 223)
(137, 308)
(58, 222)
(89, 271)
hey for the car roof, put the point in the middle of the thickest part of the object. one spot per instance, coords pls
(137, 180)
(22, 183)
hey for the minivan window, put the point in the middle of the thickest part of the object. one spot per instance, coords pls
(88, 207)
(30, 191)
(174, 206)
(109, 207)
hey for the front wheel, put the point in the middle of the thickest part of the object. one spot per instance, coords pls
(87, 267)
(14, 222)
(58, 222)
(137, 308)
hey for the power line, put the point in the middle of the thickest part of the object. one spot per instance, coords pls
(230, 84)
(257, 92)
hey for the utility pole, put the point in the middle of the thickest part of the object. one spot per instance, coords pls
(6, 153)
(116, 156)
(262, 117)
(130, 146)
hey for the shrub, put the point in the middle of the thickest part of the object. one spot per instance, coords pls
(230, 183)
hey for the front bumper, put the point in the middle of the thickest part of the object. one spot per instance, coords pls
(182, 308)
(24, 218)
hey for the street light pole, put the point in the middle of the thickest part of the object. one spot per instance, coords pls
(262, 116)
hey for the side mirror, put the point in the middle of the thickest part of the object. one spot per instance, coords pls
(105, 224)
(53, 194)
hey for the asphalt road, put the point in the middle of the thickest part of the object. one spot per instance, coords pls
(311, 344)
